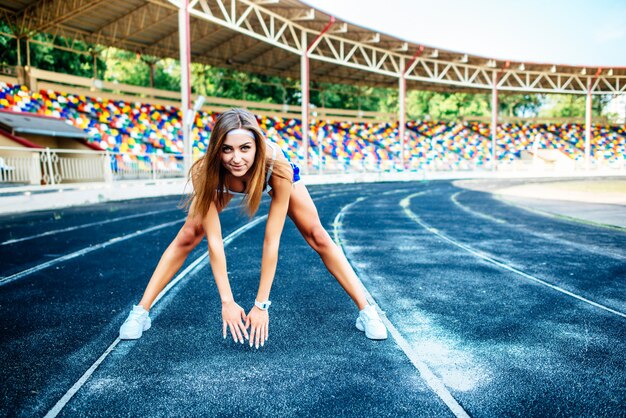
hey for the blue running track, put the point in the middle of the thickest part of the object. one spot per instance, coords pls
(494, 311)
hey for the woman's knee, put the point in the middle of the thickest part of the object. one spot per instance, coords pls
(319, 239)
(188, 235)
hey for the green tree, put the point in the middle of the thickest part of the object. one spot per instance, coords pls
(520, 105)
(49, 57)
(572, 106)
(130, 68)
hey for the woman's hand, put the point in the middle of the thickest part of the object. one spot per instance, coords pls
(259, 320)
(233, 316)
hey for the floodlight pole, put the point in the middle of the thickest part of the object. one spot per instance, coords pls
(185, 85)
(402, 103)
(588, 103)
(494, 114)
(304, 81)
(402, 115)
(494, 119)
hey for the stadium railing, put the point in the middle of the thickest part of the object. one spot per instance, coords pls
(48, 166)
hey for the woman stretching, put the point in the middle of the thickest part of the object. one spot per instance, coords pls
(239, 161)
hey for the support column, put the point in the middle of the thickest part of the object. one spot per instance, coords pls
(588, 104)
(304, 86)
(95, 65)
(151, 74)
(28, 52)
(304, 81)
(19, 51)
(402, 113)
(185, 85)
(494, 120)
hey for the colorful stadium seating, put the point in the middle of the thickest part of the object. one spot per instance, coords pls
(138, 128)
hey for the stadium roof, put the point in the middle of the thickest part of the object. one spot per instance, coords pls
(567, 32)
(21, 123)
(266, 36)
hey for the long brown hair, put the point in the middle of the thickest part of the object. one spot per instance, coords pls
(208, 175)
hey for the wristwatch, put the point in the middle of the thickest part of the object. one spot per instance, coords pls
(262, 305)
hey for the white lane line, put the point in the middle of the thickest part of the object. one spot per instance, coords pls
(473, 212)
(503, 199)
(587, 248)
(84, 251)
(405, 205)
(73, 228)
(87, 250)
(197, 264)
(429, 377)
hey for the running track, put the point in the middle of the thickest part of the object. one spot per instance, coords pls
(493, 311)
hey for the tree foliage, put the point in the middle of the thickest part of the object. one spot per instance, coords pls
(48, 57)
(572, 106)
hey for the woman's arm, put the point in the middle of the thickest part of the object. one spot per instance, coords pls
(232, 314)
(257, 318)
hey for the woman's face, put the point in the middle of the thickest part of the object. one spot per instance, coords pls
(238, 151)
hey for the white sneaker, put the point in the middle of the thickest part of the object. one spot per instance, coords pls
(370, 322)
(137, 322)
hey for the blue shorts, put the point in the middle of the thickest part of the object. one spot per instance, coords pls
(296, 172)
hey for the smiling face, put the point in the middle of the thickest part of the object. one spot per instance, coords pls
(237, 153)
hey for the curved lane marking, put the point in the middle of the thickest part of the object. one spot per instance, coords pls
(429, 377)
(197, 264)
(603, 252)
(73, 228)
(42, 266)
(473, 212)
(83, 251)
(503, 199)
(405, 206)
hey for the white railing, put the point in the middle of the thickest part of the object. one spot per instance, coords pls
(45, 166)
(48, 166)
(331, 165)
(19, 169)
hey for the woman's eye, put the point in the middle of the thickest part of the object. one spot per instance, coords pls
(245, 148)
(225, 149)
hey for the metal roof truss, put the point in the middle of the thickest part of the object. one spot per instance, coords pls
(249, 18)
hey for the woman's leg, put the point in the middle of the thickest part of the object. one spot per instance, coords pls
(303, 213)
(189, 236)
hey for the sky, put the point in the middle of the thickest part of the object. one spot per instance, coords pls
(588, 33)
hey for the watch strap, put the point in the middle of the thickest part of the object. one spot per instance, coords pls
(262, 305)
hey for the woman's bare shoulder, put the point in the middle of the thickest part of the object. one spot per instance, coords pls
(272, 150)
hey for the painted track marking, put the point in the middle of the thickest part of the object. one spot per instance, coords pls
(602, 252)
(87, 250)
(405, 203)
(429, 377)
(84, 251)
(473, 212)
(197, 264)
(502, 198)
(73, 228)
